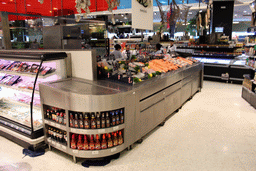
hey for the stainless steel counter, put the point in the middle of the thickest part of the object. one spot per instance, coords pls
(146, 104)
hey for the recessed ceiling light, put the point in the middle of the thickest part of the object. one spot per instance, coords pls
(28, 5)
(235, 22)
(245, 11)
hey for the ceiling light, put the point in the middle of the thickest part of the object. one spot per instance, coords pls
(122, 15)
(235, 22)
(201, 11)
(235, 15)
(125, 17)
(190, 13)
(55, 8)
(3, 2)
(155, 13)
(50, 11)
(245, 11)
(28, 5)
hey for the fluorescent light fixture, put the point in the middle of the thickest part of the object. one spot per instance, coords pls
(55, 8)
(235, 15)
(236, 22)
(245, 11)
(28, 5)
(3, 2)
(163, 2)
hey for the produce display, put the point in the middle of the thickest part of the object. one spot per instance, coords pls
(141, 67)
(99, 142)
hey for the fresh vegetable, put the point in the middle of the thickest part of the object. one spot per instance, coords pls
(136, 80)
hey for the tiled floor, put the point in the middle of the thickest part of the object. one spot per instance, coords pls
(216, 131)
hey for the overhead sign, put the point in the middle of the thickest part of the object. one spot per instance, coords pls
(142, 14)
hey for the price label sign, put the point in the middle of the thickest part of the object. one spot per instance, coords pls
(113, 149)
(115, 128)
(63, 147)
(75, 151)
(57, 125)
(57, 145)
(95, 152)
(72, 130)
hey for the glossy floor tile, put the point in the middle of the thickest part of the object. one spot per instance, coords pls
(214, 131)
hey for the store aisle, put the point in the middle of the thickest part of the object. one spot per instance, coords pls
(216, 131)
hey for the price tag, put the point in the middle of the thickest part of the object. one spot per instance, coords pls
(95, 152)
(53, 142)
(115, 128)
(57, 125)
(57, 145)
(113, 149)
(72, 130)
(101, 131)
(53, 124)
(63, 147)
(46, 122)
(75, 151)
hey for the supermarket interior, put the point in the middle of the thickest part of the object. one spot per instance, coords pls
(127, 85)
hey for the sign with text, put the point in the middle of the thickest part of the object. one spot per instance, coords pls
(142, 14)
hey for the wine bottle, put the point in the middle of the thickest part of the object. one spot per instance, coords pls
(98, 120)
(103, 121)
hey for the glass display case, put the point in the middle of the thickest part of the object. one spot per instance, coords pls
(20, 76)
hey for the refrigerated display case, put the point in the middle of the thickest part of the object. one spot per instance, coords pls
(229, 70)
(20, 108)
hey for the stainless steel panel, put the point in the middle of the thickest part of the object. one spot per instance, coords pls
(186, 92)
(172, 89)
(172, 102)
(159, 113)
(195, 83)
(151, 100)
(186, 80)
(246, 94)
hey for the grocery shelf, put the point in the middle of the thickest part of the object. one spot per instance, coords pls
(96, 153)
(20, 103)
(27, 74)
(19, 89)
(57, 145)
(54, 124)
(97, 131)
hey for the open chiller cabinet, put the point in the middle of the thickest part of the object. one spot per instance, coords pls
(20, 108)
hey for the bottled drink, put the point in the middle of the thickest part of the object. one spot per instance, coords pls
(50, 115)
(120, 138)
(47, 114)
(71, 120)
(104, 142)
(61, 137)
(110, 143)
(80, 143)
(107, 121)
(86, 144)
(61, 118)
(86, 122)
(113, 119)
(57, 117)
(53, 115)
(117, 118)
(115, 140)
(76, 121)
(64, 118)
(98, 120)
(54, 134)
(65, 138)
(57, 136)
(93, 121)
(103, 121)
(121, 116)
(97, 143)
(49, 132)
(91, 144)
(81, 121)
(73, 142)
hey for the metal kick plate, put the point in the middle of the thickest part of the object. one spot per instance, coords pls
(83, 88)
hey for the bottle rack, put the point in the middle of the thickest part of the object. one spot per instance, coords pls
(72, 127)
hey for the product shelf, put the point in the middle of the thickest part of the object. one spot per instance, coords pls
(97, 131)
(27, 74)
(54, 124)
(19, 103)
(57, 145)
(19, 89)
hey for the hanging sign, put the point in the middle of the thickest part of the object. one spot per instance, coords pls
(142, 14)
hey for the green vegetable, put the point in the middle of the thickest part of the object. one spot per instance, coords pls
(122, 62)
(109, 70)
(125, 67)
(149, 76)
(136, 80)
(133, 57)
(146, 64)
(137, 68)
(158, 73)
(154, 74)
